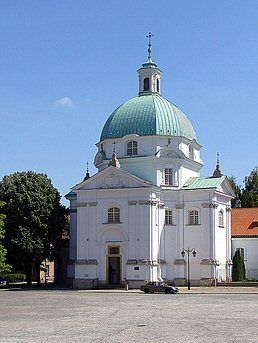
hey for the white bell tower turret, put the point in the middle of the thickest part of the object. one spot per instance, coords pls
(149, 75)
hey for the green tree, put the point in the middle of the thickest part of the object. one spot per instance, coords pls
(249, 196)
(238, 270)
(236, 202)
(35, 219)
(4, 267)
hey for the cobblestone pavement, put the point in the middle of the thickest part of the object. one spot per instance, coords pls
(200, 315)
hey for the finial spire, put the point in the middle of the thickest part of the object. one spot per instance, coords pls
(217, 172)
(149, 36)
(87, 176)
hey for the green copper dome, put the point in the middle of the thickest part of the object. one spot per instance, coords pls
(148, 115)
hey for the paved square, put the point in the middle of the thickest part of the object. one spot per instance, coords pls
(207, 315)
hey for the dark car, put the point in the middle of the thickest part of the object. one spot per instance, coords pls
(158, 287)
(4, 282)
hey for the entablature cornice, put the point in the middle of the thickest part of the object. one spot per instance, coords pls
(180, 206)
(93, 203)
(209, 262)
(85, 204)
(179, 261)
(81, 204)
(88, 261)
(132, 202)
(209, 205)
(148, 202)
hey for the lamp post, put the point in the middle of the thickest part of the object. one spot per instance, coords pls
(188, 251)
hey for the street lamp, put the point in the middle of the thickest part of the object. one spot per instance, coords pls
(188, 251)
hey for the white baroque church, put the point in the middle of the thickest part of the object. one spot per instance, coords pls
(147, 203)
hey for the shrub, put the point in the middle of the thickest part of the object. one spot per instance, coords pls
(13, 277)
(238, 270)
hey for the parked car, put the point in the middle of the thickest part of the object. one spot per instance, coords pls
(158, 287)
(4, 282)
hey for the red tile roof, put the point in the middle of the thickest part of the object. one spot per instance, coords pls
(245, 222)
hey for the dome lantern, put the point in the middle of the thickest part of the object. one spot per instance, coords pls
(149, 74)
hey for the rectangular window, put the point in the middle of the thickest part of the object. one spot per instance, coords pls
(113, 215)
(136, 268)
(193, 217)
(242, 252)
(132, 148)
(47, 270)
(114, 250)
(168, 217)
(168, 176)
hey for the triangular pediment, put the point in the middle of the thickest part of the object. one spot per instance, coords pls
(112, 178)
(225, 187)
(220, 184)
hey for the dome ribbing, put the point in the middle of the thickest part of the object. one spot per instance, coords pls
(148, 115)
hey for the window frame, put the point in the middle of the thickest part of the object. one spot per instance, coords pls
(191, 152)
(113, 215)
(133, 147)
(242, 254)
(168, 176)
(146, 82)
(221, 218)
(158, 85)
(169, 216)
(110, 247)
(47, 266)
(193, 214)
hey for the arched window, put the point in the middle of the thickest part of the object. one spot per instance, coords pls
(194, 217)
(146, 84)
(221, 218)
(157, 85)
(132, 148)
(113, 215)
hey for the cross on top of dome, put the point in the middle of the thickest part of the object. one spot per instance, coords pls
(149, 36)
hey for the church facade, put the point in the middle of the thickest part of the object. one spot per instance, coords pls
(147, 205)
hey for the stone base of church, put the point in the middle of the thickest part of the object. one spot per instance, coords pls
(201, 282)
(208, 282)
(94, 283)
(179, 281)
(134, 284)
(84, 283)
(69, 281)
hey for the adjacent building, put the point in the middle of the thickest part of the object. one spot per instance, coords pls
(245, 238)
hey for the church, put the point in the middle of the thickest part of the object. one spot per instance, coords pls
(147, 210)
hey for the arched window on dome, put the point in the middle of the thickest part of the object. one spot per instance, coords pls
(221, 218)
(158, 85)
(146, 84)
(132, 148)
(113, 215)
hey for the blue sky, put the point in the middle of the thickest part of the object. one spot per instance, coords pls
(66, 65)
